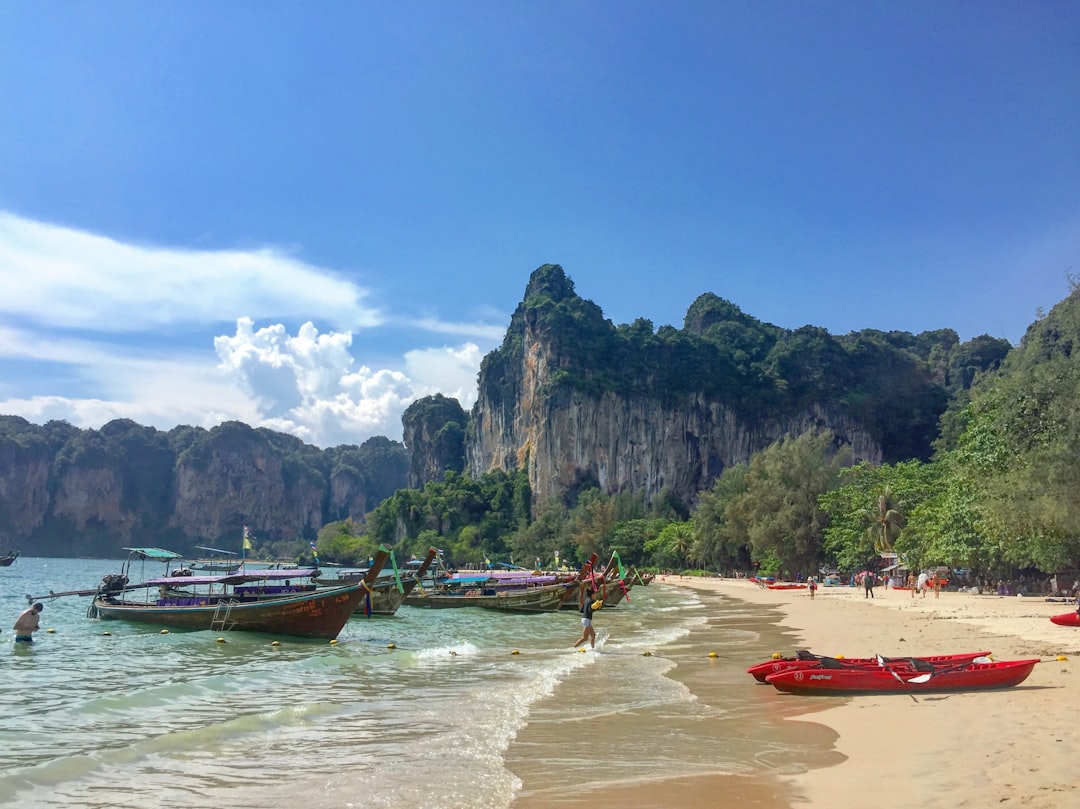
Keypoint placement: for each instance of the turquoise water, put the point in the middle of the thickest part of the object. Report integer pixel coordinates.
(448, 717)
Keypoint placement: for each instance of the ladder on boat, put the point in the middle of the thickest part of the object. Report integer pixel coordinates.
(220, 621)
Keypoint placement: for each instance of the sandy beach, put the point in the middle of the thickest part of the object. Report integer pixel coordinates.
(1015, 747)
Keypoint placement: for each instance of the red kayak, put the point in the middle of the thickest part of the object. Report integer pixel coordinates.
(1068, 619)
(806, 660)
(786, 586)
(966, 677)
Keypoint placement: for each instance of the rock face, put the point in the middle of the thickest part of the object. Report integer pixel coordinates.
(434, 433)
(567, 439)
(66, 491)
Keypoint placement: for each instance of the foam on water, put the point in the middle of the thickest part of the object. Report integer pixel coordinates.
(428, 708)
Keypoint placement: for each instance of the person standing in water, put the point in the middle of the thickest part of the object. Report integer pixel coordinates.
(587, 631)
(27, 624)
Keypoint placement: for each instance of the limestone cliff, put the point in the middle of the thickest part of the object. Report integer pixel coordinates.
(577, 401)
(65, 491)
(434, 433)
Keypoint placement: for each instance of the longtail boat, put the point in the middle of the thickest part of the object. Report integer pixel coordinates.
(253, 601)
(464, 592)
(387, 593)
(806, 660)
(586, 578)
(644, 579)
(9, 560)
(610, 588)
(889, 678)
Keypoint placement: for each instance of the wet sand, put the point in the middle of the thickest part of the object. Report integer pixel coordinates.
(1018, 747)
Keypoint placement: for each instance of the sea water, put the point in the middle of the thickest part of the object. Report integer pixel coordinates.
(459, 708)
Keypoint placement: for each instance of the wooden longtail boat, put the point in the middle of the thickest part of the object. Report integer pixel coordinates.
(243, 602)
(9, 560)
(586, 578)
(388, 596)
(546, 598)
(962, 677)
(806, 660)
(644, 579)
(611, 588)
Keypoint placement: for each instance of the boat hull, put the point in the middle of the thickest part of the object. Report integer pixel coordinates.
(1068, 619)
(762, 670)
(535, 599)
(319, 614)
(970, 677)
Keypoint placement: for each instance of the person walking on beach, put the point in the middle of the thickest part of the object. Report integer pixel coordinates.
(868, 582)
(812, 583)
(587, 631)
(923, 579)
(911, 582)
(27, 624)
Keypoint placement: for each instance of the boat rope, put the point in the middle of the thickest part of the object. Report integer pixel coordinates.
(397, 575)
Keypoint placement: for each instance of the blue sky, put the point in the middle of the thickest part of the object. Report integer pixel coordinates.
(306, 216)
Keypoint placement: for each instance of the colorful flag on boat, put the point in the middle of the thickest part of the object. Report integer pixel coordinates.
(247, 538)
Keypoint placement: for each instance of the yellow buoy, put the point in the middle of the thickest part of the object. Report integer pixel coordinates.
(776, 655)
(106, 633)
(333, 641)
(581, 650)
(515, 652)
(1062, 657)
(275, 643)
(713, 654)
(51, 631)
(164, 632)
(646, 654)
(839, 657)
(391, 646)
(221, 640)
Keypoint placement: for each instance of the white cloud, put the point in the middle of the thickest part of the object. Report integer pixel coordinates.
(57, 276)
(449, 371)
(306, 385)
(116, 328)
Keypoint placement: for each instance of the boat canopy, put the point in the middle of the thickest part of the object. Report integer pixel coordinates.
(154, 553)
(234, 578)
(216, 550)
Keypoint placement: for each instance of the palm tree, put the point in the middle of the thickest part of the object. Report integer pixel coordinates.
(887, 524)
(682, 541)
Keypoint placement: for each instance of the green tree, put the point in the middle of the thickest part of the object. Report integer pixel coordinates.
(718, 542)
(779, 508)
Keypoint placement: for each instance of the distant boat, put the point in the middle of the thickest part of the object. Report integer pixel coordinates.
(253, 601)
(9, 560)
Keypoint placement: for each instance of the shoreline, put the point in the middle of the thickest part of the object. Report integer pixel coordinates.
(1012, 747)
